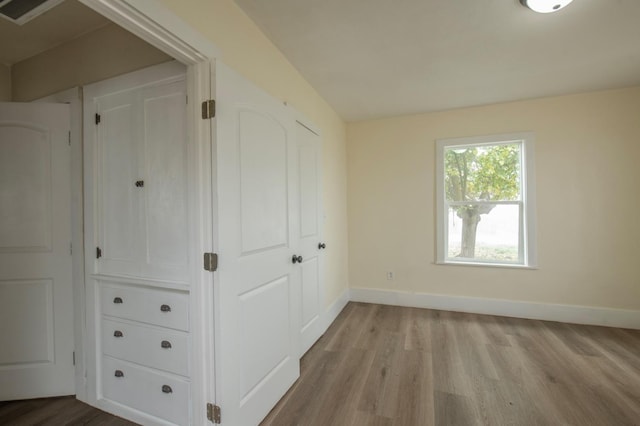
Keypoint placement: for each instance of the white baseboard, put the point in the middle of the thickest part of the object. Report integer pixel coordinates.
(509, 308)
(334, 310)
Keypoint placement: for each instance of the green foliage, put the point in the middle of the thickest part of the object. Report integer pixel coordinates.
(487, 173)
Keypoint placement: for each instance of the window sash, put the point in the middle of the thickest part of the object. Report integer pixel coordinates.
(522, 255)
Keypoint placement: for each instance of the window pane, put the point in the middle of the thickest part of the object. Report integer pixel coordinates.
(496, 237)
(483, 173)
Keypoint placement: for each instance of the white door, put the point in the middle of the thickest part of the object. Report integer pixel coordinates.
(311, 243)
(256, 291)
(36, 292)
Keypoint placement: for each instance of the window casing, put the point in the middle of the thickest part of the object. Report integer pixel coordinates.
(485, 199)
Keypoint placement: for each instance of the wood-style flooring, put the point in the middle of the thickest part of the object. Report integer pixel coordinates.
(384, 365)
(60, 411)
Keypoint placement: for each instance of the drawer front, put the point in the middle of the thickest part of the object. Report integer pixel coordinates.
(163, 349)
(160, 307)
(152, 393)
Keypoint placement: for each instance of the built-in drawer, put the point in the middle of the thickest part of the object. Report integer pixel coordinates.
(151, 392)
(161, 307)
(155, 347)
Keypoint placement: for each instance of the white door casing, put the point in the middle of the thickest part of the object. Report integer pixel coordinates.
(312, 246)
(257, 291)
(36, 289)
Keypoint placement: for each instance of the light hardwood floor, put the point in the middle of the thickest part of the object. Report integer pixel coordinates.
(384, 365)
(65, 410)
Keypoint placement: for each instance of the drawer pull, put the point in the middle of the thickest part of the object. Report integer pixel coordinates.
(119, 373)
(117, 333)
(165, 344)
(117, 300)
(167, 389)
(165, 308)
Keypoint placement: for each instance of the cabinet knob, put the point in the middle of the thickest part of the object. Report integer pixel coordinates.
(296, 259)
(117, 300)
(117, 333)
(165, 308)
(119, 373)
(139, 183)
(165, 344)
(322, 246)
(167, 389)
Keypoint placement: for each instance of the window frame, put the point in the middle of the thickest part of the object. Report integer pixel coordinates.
(527, 230)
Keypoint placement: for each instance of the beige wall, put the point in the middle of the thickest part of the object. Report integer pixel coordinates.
(101, 54)
(5, 83)
(246, 49)
(586, 151)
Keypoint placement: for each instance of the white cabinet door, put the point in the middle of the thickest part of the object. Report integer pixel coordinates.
(142, 227)
(256, 299)
(311, 243)
(36, 292)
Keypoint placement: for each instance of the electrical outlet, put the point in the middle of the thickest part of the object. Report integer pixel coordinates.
(390, 275)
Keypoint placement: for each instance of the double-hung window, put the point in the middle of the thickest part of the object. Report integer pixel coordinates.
(486, 200)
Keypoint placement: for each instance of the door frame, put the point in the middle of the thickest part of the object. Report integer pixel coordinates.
(158, 26)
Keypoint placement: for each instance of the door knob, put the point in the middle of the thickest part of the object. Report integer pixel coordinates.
(322, 246)
(296, 259)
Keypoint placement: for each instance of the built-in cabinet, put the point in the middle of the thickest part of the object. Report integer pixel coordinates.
(138, 257)
(267, 293)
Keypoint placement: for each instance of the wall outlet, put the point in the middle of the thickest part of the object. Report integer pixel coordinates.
(390, 276)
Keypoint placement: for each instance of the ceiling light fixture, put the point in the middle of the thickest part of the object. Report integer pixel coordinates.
(545, 6)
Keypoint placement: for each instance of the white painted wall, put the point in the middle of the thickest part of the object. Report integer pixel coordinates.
(586, 151)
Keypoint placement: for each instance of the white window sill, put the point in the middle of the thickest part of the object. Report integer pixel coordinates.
(487, 265)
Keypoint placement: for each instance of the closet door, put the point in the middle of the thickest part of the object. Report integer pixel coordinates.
(311, 244)
(257, 291)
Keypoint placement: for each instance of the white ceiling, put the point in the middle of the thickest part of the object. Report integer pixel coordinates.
(59, 25)
(378, 58)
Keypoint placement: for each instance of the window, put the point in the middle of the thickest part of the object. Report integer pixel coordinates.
(486, 201)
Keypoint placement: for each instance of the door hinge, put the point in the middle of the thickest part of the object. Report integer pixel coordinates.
(98, 252)
(208, 109)
(74, 357)
(211, 262)
(69, 137)
(213, 413)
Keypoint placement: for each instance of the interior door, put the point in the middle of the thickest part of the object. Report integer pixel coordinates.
(257, 292)
(311, 243)
(36, 292)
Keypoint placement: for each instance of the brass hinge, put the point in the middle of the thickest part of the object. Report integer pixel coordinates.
(208, 109)
(210, 262)
(98, 118)
(213, 413)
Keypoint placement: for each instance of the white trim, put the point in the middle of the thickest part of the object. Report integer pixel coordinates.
(334, 309)
(74, 98)
(575, 314)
